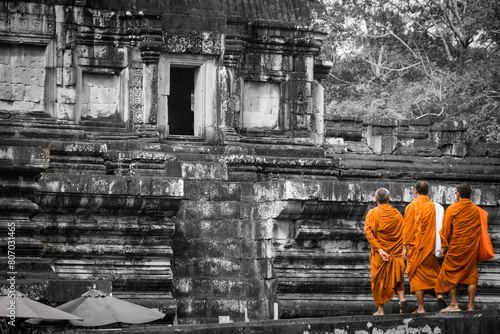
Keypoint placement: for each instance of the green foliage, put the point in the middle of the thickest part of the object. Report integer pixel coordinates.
(476, 97)
(419, 58)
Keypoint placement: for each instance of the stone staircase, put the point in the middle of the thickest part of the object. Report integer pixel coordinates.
(199, 230)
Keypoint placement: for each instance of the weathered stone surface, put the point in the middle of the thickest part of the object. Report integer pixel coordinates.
(61, 291)
(17, 157)
(203, 171)
(237, 216)
(483, 322)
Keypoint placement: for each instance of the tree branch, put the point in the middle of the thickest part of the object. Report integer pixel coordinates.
(452, 8)
(391, 69)
(431, 114)
(346, 82)
(397, 37)
(446, 47)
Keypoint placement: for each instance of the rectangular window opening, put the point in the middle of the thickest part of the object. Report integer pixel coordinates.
(181, 101)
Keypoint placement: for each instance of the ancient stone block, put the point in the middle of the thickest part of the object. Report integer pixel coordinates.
(208, 229)
(196, 190)
(224, 191)
(230, 307)
(322, 190)
(189, 286)
(236, 288)
(212, 210)
(20, 157)
(216, 267)
(217, 249)
(271, 210)
(192, 308)
(33, 93)
(204, 171)
(140, 186)
(261, 106)
(66, 111)
(168, 187)
(259, 229)
(19, 74)
(34, 76)
(220, 287)
(24, 106)
(18, 92)
(5, 91)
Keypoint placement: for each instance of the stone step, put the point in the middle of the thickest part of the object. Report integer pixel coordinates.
(269, 149)
(480, 322)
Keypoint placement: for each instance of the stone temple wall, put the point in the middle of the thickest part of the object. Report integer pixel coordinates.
(236, 217)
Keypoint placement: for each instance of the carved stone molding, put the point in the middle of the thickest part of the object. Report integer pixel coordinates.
(150, 51)
(135, 96)
(234, 47)
(321, 68)
(197, 42)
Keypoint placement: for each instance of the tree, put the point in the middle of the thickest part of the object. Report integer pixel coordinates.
(416, 58)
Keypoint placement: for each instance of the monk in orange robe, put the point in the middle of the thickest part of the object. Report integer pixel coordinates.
(419, 234)
(384, 231)
(460, 237)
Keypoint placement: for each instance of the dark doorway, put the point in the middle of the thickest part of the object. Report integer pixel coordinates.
(181, 101)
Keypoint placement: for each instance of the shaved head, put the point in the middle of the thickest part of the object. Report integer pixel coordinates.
(422, 187)
(465, 190)
(382, 195)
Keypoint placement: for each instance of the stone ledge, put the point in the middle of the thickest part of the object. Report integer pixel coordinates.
(480, 322)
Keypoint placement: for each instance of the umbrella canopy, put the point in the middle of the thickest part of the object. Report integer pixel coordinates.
(28, 308)
(98, 309)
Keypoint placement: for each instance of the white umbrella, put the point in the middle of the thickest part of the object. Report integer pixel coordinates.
(97, 308)
(16, 304)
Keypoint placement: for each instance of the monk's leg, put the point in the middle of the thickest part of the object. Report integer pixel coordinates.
(401, 295)
(440, 300)
(453, 299)
(380, 310)
(472, 295)
(402, 301)
(420, 301)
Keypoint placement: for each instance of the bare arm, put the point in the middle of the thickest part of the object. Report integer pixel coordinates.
(369, 230)
(370, 236)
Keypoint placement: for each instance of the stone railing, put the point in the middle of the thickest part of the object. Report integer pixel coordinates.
(402, 137)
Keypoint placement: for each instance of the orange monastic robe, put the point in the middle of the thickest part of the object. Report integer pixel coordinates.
(460, 234)
(419, 233)
(384, 229)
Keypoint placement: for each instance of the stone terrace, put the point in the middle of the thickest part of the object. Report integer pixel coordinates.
(483, 322)
(202, 231)
(178, 155)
